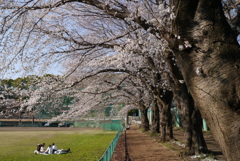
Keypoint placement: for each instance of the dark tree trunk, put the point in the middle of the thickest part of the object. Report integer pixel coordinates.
(166, 123)
(144, 119)
(163, 123)
(199, 143)
(169, 123)
(155, 118)
(185, 106)
(191, 122)
(164, 103)
(210, 68)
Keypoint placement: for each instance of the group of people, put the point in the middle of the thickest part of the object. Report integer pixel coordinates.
(51, 149)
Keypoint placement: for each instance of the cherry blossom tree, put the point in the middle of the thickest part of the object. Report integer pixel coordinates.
(202, 35)
(132, 47)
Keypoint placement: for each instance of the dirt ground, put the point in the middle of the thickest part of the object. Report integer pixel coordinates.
(143, 147)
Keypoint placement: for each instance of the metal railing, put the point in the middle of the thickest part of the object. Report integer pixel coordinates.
(109, 152)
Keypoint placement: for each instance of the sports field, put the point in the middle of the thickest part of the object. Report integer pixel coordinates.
(86, 144)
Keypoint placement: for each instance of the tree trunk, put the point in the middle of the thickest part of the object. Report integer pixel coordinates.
(155, 118)
(184, 103)
(194, 144)
(169, 123)
(199, 143)
(144, 119)
(210, 68)
(163, 123)
(164, 103)
(166, 123)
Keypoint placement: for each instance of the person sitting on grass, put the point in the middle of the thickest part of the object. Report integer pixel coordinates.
(49, 150)
(54, 147)
(40, 148)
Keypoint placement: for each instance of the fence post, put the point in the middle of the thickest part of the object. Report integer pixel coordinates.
(205, 127)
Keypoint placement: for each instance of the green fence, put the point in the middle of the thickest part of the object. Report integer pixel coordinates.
(88, 123)
(113, 125)
(107, 125)
(108, 153)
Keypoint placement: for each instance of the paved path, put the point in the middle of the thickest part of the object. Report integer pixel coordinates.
(143, 148)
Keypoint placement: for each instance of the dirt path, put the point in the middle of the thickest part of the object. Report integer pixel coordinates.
(143, 148)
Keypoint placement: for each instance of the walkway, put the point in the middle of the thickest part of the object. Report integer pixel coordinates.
(143, 148)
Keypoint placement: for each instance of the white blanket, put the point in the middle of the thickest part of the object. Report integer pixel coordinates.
(55, 152)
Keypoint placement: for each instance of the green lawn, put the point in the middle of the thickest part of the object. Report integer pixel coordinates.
(87, 145)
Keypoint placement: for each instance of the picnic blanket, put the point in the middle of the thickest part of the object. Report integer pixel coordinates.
(55, 152)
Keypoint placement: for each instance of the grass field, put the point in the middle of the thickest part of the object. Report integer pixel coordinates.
(18, 144)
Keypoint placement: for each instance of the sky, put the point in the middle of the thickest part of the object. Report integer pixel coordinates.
(55, 70)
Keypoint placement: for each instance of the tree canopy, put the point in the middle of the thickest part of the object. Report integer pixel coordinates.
(139, 52)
